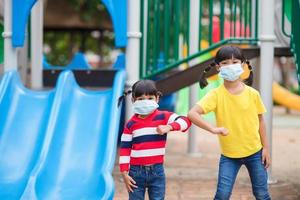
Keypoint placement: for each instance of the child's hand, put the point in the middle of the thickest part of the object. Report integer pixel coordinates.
(129, 182)
(220, 130)
(266, 159)
(163, 129)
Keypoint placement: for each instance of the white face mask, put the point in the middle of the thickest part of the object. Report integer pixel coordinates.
(231, 72)
(144, 107)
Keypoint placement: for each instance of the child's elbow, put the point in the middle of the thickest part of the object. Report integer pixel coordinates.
(191, 115)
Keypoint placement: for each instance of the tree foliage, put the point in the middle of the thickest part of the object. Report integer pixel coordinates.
(60, 46)
(87, 8)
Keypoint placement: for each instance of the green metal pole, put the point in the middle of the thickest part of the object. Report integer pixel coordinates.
(200, 23)
(149, 51)
(283, 21)
(241, 16)
(166, 31)
(156, 33)
(250, 17)
(222, 17)
(234, 18)
(188, 24)
(246, 17)
(231, 17)
(142, 67)
(210, 32)
(177, 23)
(256, 19)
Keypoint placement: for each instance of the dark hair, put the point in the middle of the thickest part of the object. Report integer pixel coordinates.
(229, 52)
(139, 88)
(224, 53)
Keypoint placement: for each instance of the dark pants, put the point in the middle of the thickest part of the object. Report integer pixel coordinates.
(150, 177)
(229, 168)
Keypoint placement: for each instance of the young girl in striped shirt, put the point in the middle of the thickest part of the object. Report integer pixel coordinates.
(143, 142)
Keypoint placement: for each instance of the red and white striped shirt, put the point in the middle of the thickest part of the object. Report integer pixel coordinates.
(141, 144)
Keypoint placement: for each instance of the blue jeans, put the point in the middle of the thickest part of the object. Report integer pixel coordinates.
(150, 177)
(229, 168)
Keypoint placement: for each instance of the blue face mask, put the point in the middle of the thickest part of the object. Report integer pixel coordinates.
(144, 107)
(231, 72)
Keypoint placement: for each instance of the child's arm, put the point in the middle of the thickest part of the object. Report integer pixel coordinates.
(174, 123)
(264, 141)
(124, 160)
(195, 116)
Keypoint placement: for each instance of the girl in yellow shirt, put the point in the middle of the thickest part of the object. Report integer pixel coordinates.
(240, 124)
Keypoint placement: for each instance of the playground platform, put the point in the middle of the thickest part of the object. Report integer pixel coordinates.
(195, 178)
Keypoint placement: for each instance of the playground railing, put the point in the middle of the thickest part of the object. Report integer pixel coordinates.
(295, 36)
(292, 7)
(165, 30)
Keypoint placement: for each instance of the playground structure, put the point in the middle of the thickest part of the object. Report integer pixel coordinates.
(68, 150)
(1, 45)
(58, 130)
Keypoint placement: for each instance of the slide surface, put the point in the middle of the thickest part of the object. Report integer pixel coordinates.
(285, 98)
(20, 138)
(59, 144)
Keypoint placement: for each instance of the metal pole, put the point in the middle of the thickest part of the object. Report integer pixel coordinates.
(144, 41)
(23, 60)
(37, 45)
(193, 90)
(10, 53)
(133, 48)
(267, 39)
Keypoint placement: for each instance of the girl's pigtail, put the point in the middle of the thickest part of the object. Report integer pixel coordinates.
(121, 98)
(159, 93)
(249, 80)
(202, 80)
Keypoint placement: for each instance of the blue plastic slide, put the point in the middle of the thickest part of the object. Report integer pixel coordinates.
(23, 121)
(58, 144)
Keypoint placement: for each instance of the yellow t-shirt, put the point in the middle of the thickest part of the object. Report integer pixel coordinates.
(239, 114)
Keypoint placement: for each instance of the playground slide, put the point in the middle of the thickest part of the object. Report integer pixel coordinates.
(72, 134)
(284, 97)
(20, 138)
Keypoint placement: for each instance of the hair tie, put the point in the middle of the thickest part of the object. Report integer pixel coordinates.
(249, 65)
(159, 93)
(121, 98)
(206, 70)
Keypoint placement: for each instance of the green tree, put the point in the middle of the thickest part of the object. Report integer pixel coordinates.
(87, 8)
(61, 45)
